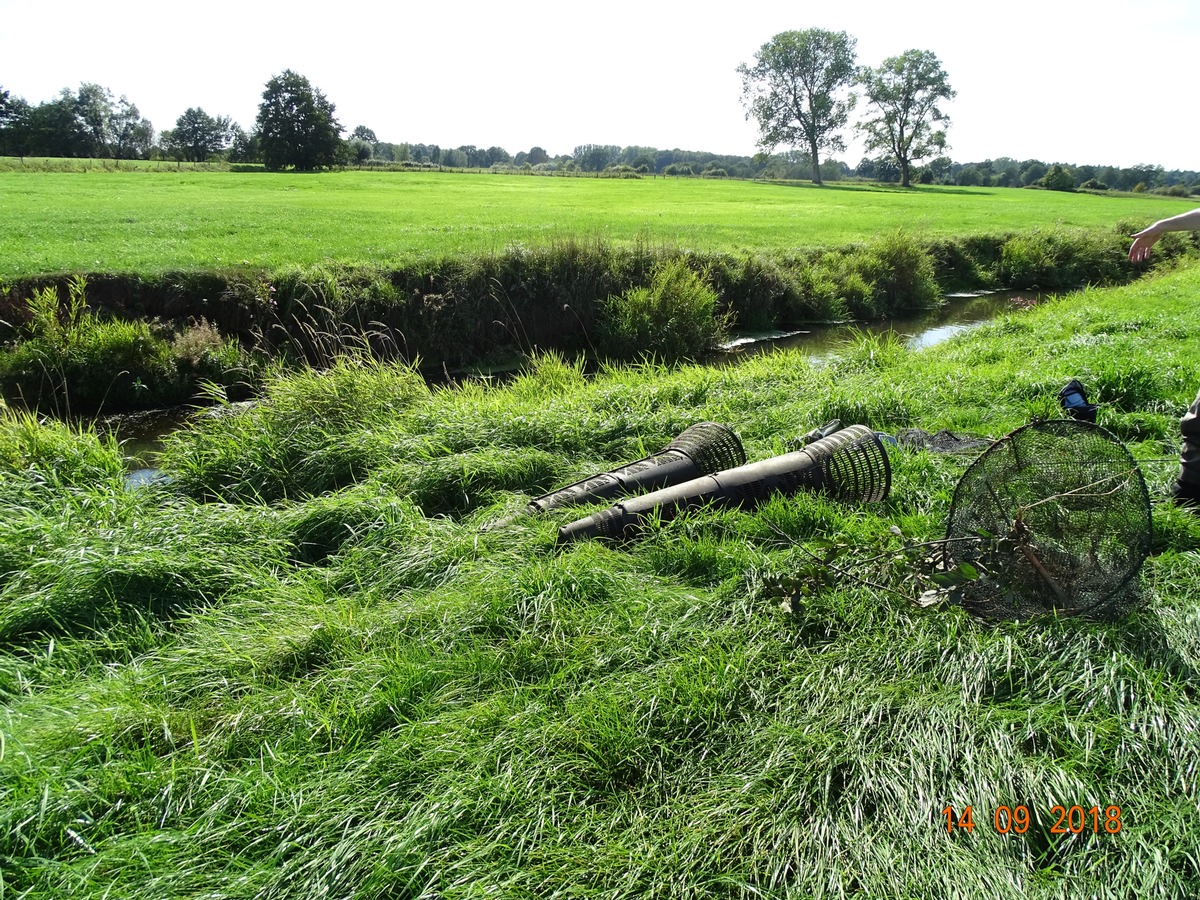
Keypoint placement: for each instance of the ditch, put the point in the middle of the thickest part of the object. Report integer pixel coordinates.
(142, 434)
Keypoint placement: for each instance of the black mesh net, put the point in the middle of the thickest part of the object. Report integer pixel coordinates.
(941, 441)
(710, 446)
(1053, 517)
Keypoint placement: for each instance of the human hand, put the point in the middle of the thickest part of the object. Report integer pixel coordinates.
(1142, 242)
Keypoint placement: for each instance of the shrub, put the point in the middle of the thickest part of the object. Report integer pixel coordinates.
(1174, 190)
(751, 287)
(816, 296)
(676, 317)
(1050, 260)
(967, 263)
(907, 279)
(196, 341)
(102, 365)
(853, 273)
(75, 362)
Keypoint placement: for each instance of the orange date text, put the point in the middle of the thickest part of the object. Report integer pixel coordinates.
(1017, 819)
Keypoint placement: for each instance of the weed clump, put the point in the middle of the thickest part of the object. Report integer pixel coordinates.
(676, 317)
(71, 360)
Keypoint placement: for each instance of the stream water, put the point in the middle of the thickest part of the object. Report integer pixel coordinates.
(917, 330)
(142, 433)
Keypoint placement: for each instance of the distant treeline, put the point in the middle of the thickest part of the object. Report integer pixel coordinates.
(90, 123)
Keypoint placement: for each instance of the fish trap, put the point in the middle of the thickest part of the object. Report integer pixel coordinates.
(1052, 518)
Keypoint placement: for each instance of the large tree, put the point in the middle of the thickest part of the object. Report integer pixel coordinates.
(13, 113)
(94, 110)
(296, 127)
(197, 135)
(52, 129)
(797, 91)
(907, 124)
(132, 135)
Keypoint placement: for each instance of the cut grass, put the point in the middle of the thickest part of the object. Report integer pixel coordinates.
(359, 694)
(158, 222)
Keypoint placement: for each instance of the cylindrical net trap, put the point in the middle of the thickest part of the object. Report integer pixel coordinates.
(698, 450)
(1052, 518)
(850, 465)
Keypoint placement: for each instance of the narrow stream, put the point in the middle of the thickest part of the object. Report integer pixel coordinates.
(961, 313)
(142, 433)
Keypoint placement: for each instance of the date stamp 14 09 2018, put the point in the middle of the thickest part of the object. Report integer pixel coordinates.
(1017, 819)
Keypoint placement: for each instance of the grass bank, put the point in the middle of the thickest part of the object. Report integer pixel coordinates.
(300, 668)
(576, 297)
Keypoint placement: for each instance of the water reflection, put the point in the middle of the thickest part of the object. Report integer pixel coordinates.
(141, 434)
(961, 312)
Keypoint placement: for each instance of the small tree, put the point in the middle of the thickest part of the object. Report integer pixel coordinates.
(904, 92)
(14, 113)
(296, 127)
(243, 146)
(795, 91)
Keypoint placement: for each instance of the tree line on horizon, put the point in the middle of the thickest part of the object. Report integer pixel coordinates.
(296, 129)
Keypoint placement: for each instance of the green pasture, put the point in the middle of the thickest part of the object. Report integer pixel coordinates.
(155, 221)
(300, 669)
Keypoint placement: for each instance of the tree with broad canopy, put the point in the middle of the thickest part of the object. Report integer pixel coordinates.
(197, 135)
(797, 91)
(296, 127)
(904, 92)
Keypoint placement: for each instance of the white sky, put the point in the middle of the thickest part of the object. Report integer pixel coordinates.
(1102, 82)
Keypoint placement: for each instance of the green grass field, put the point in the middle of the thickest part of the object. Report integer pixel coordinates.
(151, 222)
(300, 670)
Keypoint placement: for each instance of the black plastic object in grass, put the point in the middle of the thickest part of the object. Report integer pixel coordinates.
(1052, 518)
(850, 465)
(1074, 401)
(700, 449)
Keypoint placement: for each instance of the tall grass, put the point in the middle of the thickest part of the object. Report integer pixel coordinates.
(496, 308)
(300, 669)
(677, 316)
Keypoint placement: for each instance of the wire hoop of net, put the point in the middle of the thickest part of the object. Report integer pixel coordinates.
(1053, 518)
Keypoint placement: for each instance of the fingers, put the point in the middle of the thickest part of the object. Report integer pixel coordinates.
(1140, 250)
